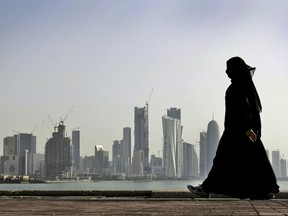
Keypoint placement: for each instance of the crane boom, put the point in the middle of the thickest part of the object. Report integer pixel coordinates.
(47, 126)
(62, 120)
(147, 102)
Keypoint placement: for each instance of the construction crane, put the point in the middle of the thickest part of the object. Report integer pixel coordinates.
(53, 124)
(34, 129)
(47, 126)
(62, 120)
(147, 102)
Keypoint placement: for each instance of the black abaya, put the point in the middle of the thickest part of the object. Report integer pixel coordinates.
(241, 167)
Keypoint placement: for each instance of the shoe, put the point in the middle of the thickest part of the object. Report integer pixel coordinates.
(263, 197)
(198, 190)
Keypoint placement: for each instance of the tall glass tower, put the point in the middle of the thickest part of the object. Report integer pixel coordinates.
(172, 147)
(141, 133)
(126, 145)
(26, 143)
(276, 162)
(203, 154)
(76, 148)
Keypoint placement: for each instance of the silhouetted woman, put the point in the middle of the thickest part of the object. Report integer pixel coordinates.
(241, 167)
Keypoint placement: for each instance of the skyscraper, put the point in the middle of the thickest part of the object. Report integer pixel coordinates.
(89, 164)
(156, 165)
(58, 154)
(174, 113)
(26, 146)
(276, 162)
(172, 147)
(76, 148)
(101, 161)
(9, 146)
(37, 160)
(117, 154)
(141, 134)
(126, 145)
(138, 163)
(190, 160)
(9, 165)
(213, 137)
(283, 168)
(203, 154)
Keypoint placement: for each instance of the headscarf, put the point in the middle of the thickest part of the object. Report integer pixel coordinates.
(241, 74)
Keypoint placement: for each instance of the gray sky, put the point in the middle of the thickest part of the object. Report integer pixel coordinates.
(105, 56)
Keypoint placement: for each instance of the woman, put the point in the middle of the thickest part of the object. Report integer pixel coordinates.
(241, 167)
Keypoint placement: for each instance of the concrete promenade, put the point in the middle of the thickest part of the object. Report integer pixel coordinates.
(134, 203)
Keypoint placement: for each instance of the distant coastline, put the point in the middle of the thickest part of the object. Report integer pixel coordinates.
(22, 182)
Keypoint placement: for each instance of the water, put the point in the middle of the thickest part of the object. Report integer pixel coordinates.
(114, 185)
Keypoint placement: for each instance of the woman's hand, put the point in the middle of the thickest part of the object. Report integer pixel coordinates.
(251, 135)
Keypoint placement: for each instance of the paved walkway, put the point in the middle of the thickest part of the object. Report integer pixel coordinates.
(120, 206)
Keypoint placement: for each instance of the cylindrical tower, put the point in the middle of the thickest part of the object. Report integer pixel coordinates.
(213, 137)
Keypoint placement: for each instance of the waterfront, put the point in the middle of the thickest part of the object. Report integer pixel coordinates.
(180, 185)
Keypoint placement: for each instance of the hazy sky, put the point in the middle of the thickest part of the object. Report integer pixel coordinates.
(105, 56)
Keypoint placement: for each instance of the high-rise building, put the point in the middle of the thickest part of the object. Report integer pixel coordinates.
(126, 145)
(101, 160)
(9, 146)
(155, 161)
(76, 148)
(25, 145)
(283, 168)
(141, 133)
(190, 160)
(172, 147)
(9, 165)
(58, 154)
(37, 160)
(156, 165)
(213, 137)
(138, 163)
(117, 155)
(276, 162)
(174, 113)
(89, 163)
(203, 154)
(82, 167)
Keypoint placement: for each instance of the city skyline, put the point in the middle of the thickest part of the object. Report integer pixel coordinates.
(108, 147)
(104, 57)
(58, 153)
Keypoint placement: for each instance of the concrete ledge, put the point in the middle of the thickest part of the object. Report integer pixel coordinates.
(66, 193)
(127, 194)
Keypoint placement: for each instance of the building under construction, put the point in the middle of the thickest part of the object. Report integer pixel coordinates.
(58, 154)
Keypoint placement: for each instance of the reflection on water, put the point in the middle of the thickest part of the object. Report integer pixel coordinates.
(115, 185)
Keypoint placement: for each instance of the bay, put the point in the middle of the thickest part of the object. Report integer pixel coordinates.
(180, 185)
